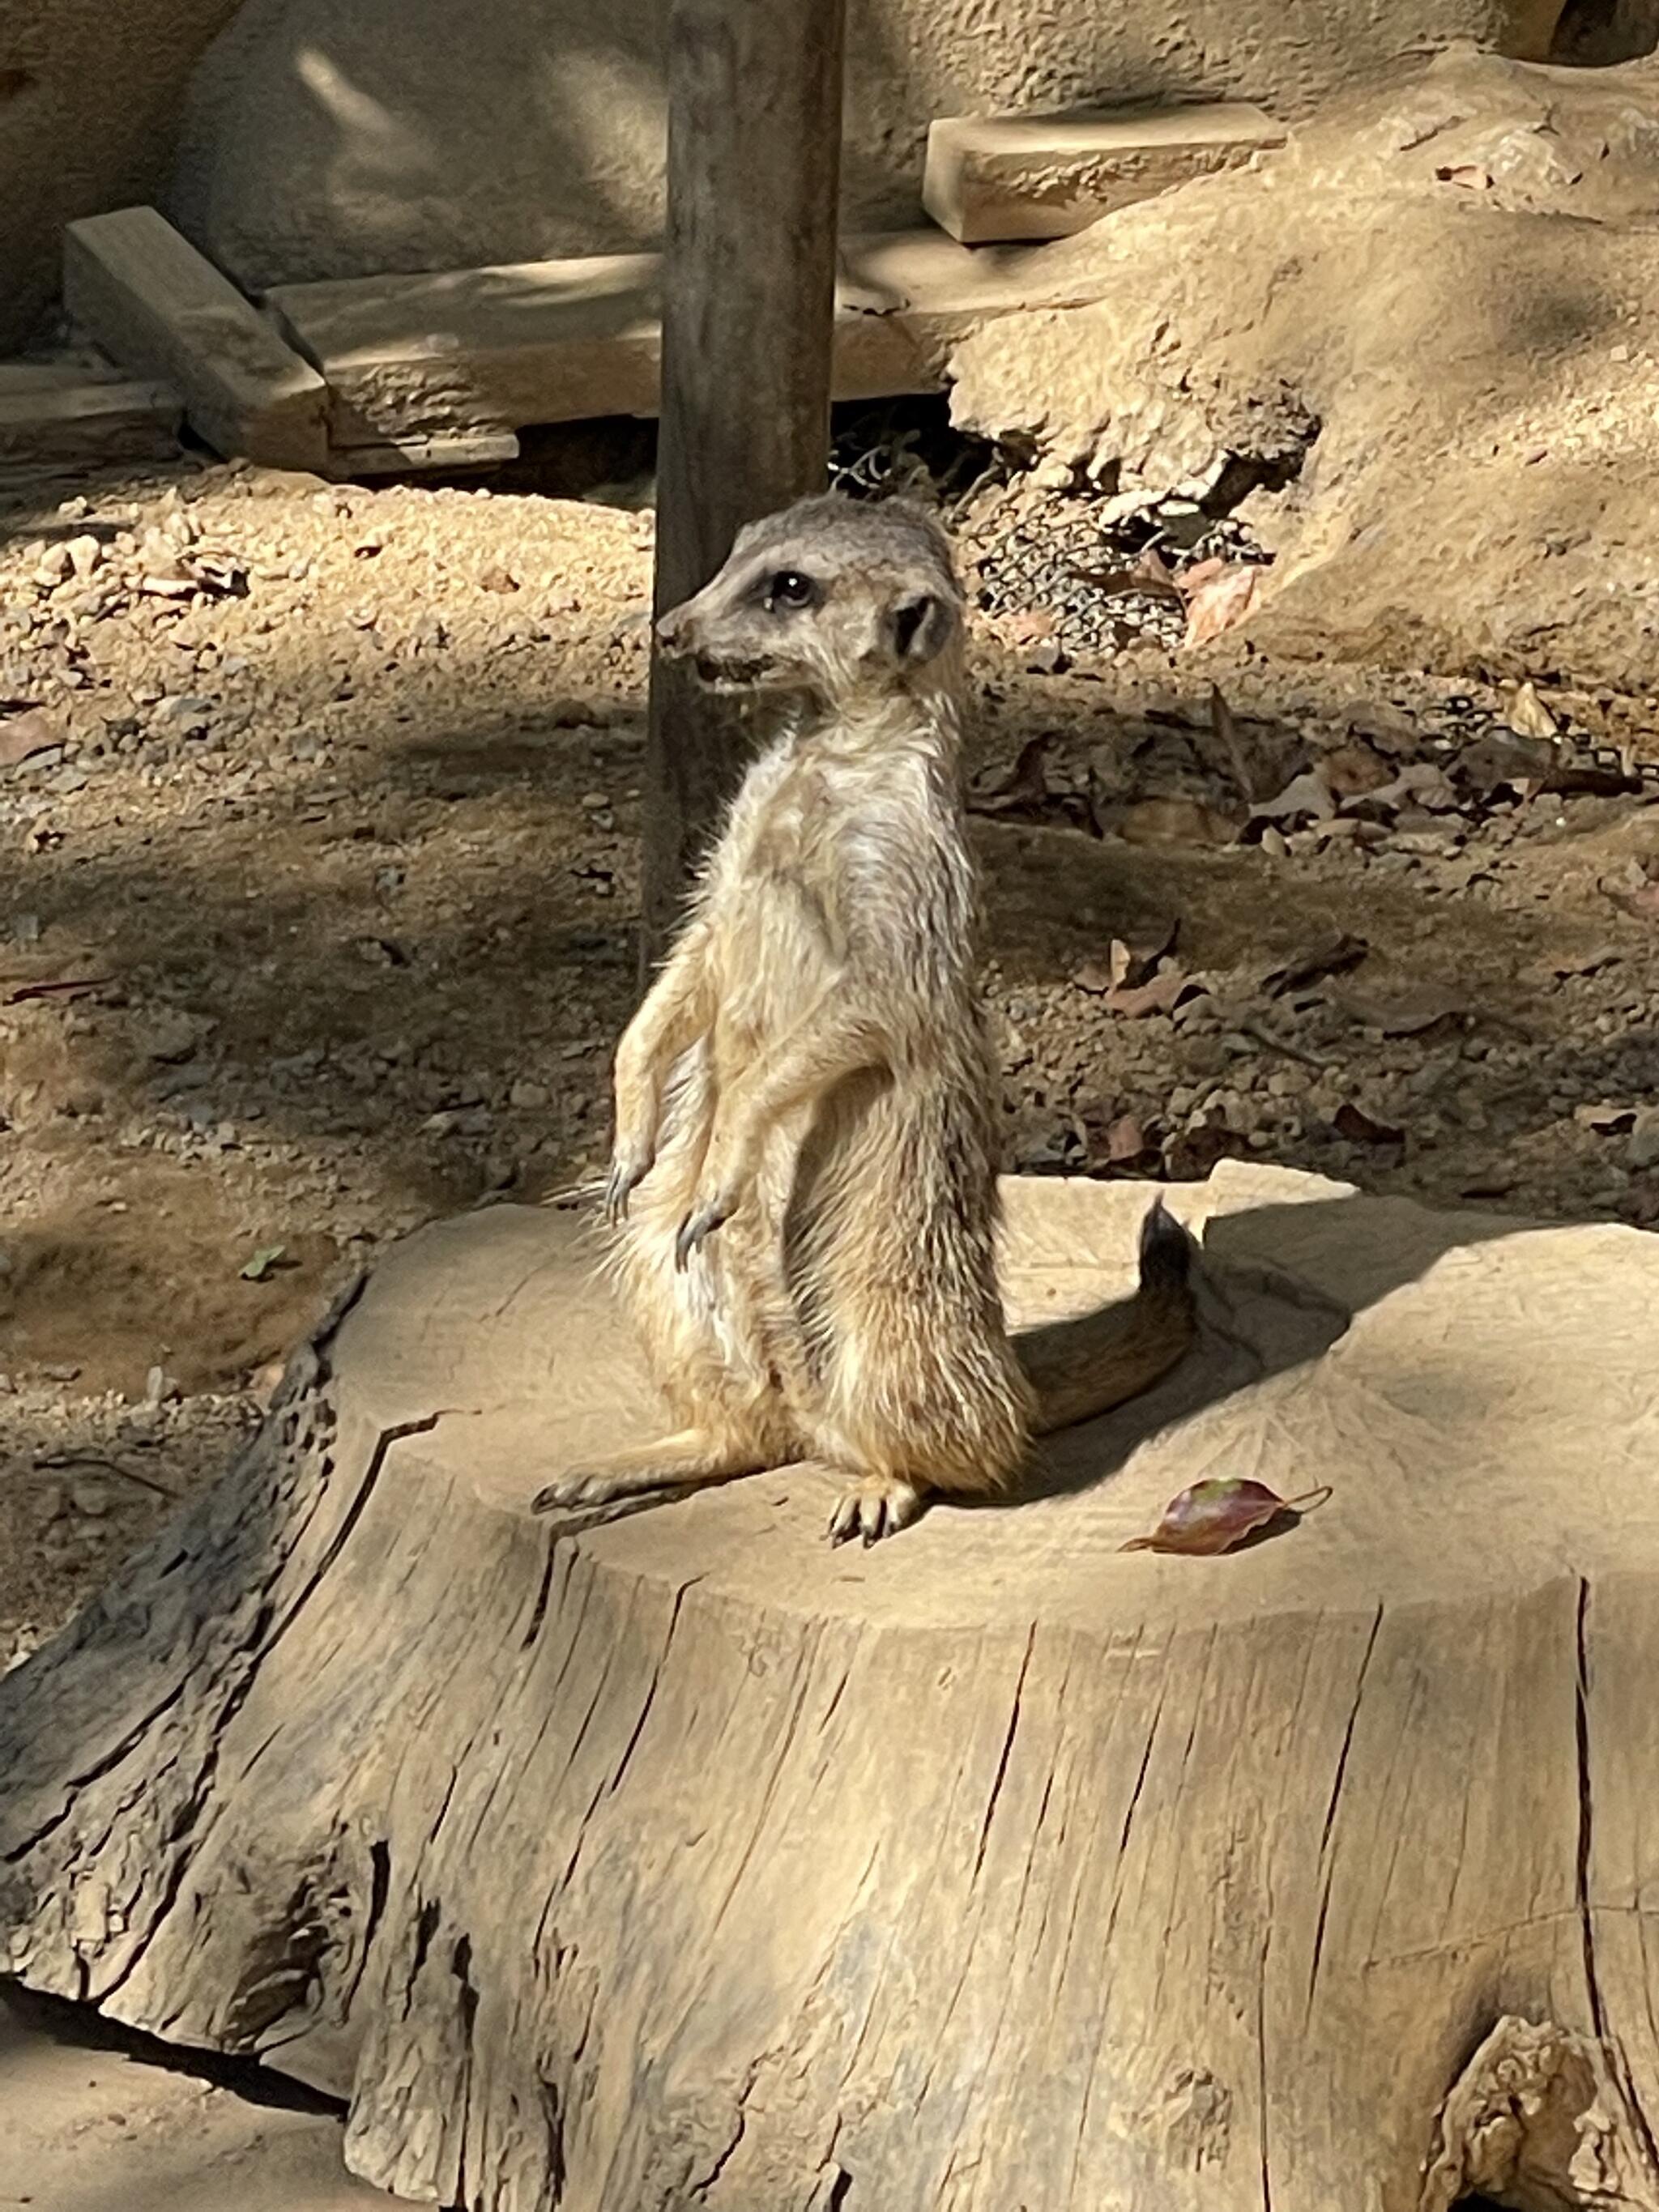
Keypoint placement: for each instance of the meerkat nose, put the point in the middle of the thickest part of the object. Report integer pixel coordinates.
(670, 629)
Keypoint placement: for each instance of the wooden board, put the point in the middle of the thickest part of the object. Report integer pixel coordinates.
(683, 1862)
(162, 310)
(1046, 176)
(76, 409)
(479, 350)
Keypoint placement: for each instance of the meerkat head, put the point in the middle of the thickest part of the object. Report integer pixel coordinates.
(829, 596)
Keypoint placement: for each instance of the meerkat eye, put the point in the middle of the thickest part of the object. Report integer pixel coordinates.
(789, 588)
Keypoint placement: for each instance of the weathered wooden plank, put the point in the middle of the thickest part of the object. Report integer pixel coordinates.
(474, 351)
(162, 310)
(1045, 176)
(73, 410)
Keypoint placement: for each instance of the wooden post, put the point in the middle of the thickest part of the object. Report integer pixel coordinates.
(754, 164)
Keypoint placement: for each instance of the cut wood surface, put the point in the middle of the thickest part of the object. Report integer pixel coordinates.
(681, 1861)
(162, 310)
(1045, 176)
(409, 358)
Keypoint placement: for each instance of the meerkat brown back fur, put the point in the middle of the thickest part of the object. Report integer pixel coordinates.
(803, 1189)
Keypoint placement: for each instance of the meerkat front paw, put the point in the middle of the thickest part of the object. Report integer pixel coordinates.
(701, 1222)
(879, 1505)
(628, 1170)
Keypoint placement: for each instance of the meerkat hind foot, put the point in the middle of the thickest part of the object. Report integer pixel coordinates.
(676, 1462)
(875, 1506)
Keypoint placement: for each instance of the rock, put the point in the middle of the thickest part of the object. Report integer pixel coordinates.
(186, 713)
(526, 1094)
(1642, 1149)
(170, 1034)
(91, 1497)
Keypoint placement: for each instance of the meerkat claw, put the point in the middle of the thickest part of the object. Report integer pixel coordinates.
(623, 1180)
(878, 1506)
(569, 1490)
(694, 1229)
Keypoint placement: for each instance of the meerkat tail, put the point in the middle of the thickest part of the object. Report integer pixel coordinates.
(1077, 1369)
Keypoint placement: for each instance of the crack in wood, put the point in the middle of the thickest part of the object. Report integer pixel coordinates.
(1007, 1748)
(1326, 1857)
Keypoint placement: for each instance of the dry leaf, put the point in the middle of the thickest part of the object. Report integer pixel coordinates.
(1029, 627)
(1468, 174)
(1332, 957)
(1025, 785)
(1175, 821)
(1404, 1013)
(1388, 727)
(1306, 793)
(1605, 1119)
(1225, 730)
(1488, 1182)
(1527, 714)
(1353, 769)
(1360, 1129)
(26, 731)
(1565, 965)
(221, 575)
(1126, 1141)
(1217, 601)
(1161, 996)
(1130, 961)
(1152, 570)
(1190, 1154)
(1215, 1516)
(1420, 783)
(172, 581)
(56, 990)
(1498, 762)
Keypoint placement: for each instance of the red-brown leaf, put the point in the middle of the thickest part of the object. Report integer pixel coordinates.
(1161, 996)
(28, 991)
(1214, 1516)
(1218, 601)
(1126, 1141)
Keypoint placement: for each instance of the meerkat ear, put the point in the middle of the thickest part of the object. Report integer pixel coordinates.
(921, 627)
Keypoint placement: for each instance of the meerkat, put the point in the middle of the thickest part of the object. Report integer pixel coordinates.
(803, 1194)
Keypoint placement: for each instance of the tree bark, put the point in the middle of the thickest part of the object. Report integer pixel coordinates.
(679, 1862)
(748, 280)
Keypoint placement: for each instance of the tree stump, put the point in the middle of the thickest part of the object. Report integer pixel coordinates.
(679, 1861)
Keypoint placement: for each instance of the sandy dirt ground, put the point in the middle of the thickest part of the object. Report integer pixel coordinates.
(122, 2127)
(319, 807)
